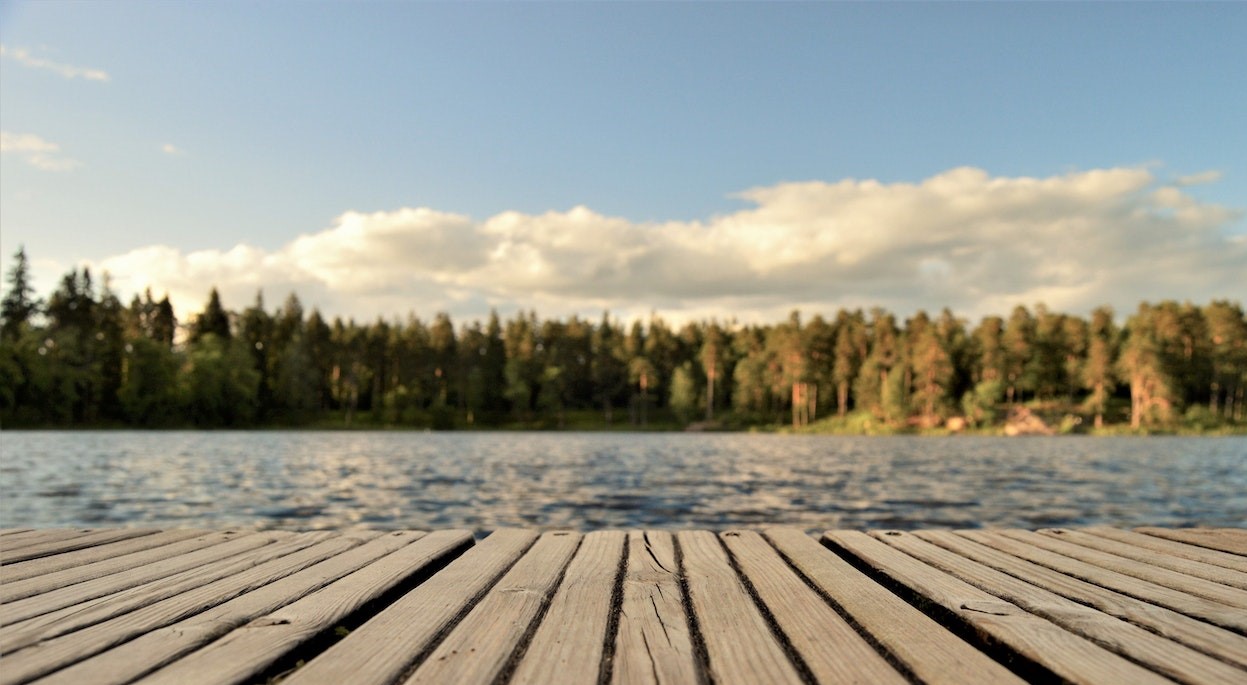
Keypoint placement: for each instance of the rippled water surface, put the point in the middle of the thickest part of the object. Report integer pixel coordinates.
(597, 480)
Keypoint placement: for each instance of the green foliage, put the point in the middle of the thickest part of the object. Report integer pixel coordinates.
(19, 304)
(220, 383)
(980, 405)
(149, 393)
(684, 396)
(85, 360)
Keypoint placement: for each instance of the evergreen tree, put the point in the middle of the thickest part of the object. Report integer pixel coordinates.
(1018, 342)
(1227, 333)
(1142, 365)
(19, 304)
(214, 320)
(1097, 372)
(851, 350)
(608, 367)
(711, 358)
(932, 373)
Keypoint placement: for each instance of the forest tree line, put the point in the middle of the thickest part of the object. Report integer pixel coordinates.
(84, 358)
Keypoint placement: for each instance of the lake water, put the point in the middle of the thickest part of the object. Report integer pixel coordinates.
(483, 481)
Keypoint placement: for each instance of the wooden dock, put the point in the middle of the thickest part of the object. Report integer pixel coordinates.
(1090, 605)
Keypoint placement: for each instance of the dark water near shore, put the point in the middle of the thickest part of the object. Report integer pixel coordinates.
(484, 481)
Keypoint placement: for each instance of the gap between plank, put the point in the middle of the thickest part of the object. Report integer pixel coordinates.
(1000, 652)
(893, 660)
(467, 607)
(701, 654)
(607, 665)
(521, 647)
(331, 635)
(798, 662)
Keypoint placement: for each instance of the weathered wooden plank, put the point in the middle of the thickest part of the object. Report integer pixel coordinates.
(11, 531)
(11, 573)
(172, 546)
(568, 645)
(1198, 607)
(739, 644)
(653, 644)
(1172, 547)
(1150, 557)
(1032, 638)
(243, 654)
(1161, 576)
(384, 648)
(924, 647)
(78, 593)
(58, 653)
(71, 618)
(479, 648)
(1228, 540)
(828, 645)
(72, 543)
(37, 536)
(1137, 644)
(1194, 633)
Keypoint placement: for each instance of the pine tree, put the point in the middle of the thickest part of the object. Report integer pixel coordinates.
(1097, 372)
(214, 320)
(19, 305)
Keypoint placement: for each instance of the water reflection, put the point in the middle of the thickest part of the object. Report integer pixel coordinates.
(485, 481)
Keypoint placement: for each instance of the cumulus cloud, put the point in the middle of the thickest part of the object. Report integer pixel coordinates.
(23, 57)
(965, 239)
(37, 152)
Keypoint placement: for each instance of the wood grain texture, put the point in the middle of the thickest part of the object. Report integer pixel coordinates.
(59, 652)
(75, 541)
(33, 537)
(739, 644)
(382, 649)
(1205, 637)
(245, 653)
(924, 647)
(1228, 596)
(569, 644)
(78, 593)
(10, 573)
(1176, 600)
(829, 646)
(1160, 654)
(171, 546)
(71, 618)
(1151, 557)
(478, 649)
(1035, 639)
(1172, 547)
(653, 644)
(1229, 540)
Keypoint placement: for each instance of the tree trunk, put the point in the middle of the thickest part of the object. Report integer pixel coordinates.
(842, 398)
(710, 396)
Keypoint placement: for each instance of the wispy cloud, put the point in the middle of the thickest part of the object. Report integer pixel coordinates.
(37, 152)
(22, 56)
(1202, 178)
(171, 149)
(963, 238)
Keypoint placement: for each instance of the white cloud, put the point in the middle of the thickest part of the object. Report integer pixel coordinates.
(171, 149)
(22, 56)
(1202, 178)
(37, 152)
(963, 239)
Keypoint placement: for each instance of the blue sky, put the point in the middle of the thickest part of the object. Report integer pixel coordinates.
(694, 159)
